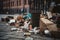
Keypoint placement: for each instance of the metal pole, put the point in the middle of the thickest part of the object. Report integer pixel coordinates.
(44, 6)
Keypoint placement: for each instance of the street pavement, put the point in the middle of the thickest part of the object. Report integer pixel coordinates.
(7, 34)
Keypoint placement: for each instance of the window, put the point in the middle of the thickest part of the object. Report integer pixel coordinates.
(19, 2)
(12, 3)
(24, 2)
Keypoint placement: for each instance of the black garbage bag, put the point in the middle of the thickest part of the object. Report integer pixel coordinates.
(58, 22)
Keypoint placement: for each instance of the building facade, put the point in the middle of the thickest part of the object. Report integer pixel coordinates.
(15, 6)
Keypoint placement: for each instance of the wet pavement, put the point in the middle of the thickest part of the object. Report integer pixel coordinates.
(7, 34)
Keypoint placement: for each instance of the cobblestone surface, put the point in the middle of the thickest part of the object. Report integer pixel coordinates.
(6, 34)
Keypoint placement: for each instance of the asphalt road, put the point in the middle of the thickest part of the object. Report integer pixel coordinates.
(6, 34)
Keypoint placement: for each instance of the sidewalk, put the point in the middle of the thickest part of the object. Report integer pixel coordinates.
(5, 34)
